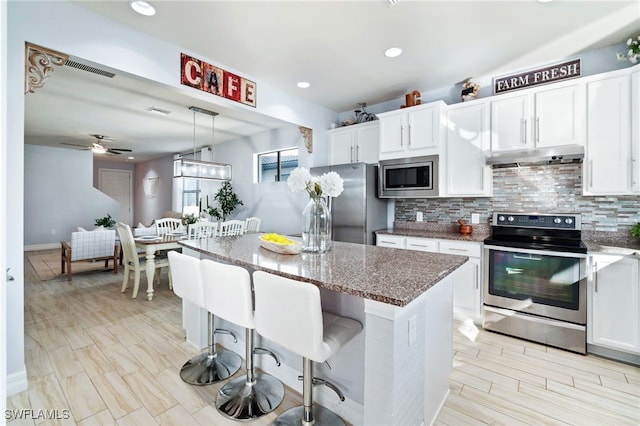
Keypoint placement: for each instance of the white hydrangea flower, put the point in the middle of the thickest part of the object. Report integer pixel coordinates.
(298, 179)
(332, 184)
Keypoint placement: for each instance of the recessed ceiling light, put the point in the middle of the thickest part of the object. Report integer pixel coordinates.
(158, 110)
(545, 1)
(392, 52)
(304, 84)
(142, 7)
(131, 158)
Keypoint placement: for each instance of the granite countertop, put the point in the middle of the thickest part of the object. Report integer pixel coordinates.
(387, 275)
(476, 237)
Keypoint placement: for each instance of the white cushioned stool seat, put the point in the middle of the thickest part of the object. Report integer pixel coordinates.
(290, 313)
(228, 294)
(211, 366)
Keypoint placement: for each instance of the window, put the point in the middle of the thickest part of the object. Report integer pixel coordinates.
(275, 166)
(191, 196)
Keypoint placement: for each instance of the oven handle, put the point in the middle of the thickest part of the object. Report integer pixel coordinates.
(526, 257)
(537, 252)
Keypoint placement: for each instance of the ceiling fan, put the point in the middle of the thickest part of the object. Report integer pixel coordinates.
(98, 147)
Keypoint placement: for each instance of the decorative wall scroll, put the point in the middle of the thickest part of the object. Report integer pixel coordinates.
(209, 78)
(38, 64)
(307, 134)
(150, 186)
(548, 74)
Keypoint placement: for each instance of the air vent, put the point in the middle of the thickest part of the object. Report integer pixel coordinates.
(158, 110)
(88, 68)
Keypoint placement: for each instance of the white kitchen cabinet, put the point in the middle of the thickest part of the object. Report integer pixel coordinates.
(422, 244)
(635, 130)
(608, 162)
(542, 117)
(467, 143)
(392, 241)
(614, 312)
(356, 143)
(467, 280)
(411, 132)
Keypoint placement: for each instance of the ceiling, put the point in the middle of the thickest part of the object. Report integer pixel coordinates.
(337, 46)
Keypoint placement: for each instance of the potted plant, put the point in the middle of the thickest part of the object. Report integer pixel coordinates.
(635, 230)
(227, 202)
(106, 221)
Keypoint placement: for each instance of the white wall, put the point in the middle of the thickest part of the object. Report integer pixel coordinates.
(145, 209)
(73, 30)
(273, 202)
(59, 195)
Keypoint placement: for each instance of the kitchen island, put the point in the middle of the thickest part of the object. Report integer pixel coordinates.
(396, 371)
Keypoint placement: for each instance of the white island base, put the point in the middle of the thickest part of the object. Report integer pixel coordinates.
(394, 373)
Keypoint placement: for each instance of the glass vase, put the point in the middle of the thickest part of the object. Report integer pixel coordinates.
(316, 226)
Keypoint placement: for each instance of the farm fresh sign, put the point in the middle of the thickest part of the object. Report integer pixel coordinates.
(545, 75)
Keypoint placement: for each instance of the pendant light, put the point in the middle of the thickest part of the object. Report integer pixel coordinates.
(198, 169)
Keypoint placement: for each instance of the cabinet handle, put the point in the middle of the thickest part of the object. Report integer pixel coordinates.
(477, 276)
(410, 136)
(419, 245)
(401, 135)
(537, 129)
(591, 174)
(523, 131)
(357, 153)
(595, 276)
(458, 249)
(351, 155)
(388, 242)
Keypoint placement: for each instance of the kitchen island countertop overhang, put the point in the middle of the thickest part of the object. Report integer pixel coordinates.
(391, 276)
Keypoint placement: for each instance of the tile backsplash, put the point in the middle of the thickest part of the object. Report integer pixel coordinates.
(543, 189)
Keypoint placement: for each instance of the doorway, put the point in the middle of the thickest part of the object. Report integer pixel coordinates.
(118, 184)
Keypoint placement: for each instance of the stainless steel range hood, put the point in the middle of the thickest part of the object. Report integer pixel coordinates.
(537, 157)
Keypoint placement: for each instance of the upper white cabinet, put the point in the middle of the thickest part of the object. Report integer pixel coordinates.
(467, 143)
(614, 313)
(412, 131)
(540, 117)
(356, 143)
(608, 163)
(635, 130)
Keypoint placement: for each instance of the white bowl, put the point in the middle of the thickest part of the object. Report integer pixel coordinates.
(281, 248)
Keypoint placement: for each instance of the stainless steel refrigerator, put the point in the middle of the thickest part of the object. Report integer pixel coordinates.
(357, 212)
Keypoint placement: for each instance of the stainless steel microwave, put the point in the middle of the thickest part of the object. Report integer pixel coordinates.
(413, 177)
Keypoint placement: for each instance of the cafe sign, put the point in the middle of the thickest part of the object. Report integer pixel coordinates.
(209, 78)
(548, 74)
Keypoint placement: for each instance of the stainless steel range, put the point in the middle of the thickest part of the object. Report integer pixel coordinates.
(536, 279)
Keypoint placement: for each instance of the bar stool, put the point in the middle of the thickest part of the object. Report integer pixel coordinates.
(227, 293)
(212, 366)
(290, 313)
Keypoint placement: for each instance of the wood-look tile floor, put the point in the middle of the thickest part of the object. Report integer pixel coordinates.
(109, 359)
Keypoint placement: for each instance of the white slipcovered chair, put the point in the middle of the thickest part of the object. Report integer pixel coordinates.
(252, 224)
(132, 261)
(231, 227)
(167, 225)
(89, 245)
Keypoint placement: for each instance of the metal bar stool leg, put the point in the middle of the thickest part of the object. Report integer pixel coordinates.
(252, 396)
(212, 366)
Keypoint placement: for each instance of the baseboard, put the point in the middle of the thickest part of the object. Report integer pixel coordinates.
(35, 247)
(17, 382)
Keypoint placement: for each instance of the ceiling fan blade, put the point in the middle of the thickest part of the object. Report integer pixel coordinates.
(73, 144)
(111, 151)
(121, 149)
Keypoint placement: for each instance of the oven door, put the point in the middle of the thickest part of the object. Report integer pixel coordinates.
(543, 283)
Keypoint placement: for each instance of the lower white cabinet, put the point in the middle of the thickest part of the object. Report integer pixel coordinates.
(614, 312)
(393, 241)
(467, 280)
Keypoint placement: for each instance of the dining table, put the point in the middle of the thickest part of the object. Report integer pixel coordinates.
(152, 244)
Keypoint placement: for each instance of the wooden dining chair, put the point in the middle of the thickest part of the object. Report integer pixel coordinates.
(132, 261)
(167, 225)
(252, 224)
(202, 230)
(231, 227)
